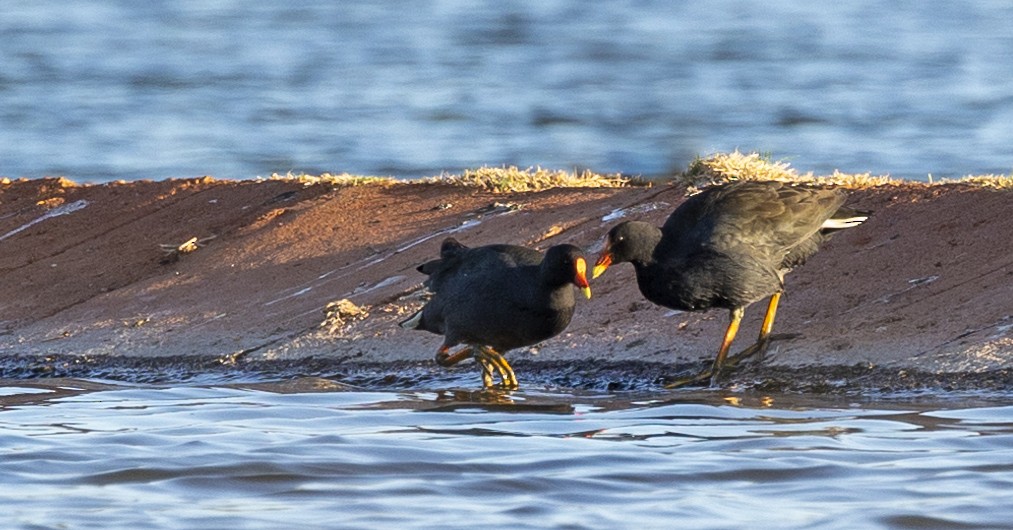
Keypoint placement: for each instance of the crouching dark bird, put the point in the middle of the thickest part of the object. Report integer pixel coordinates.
(496, 298)
(727, 247)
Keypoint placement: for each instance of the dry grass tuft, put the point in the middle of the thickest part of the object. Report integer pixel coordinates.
(511, 179)
(713, 169)
(856, 180)
(340, 180)
(999, 182)
(725, 167)
(504, 179)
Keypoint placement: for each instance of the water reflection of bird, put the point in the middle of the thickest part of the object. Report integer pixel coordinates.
(727, 247)
(496, 298)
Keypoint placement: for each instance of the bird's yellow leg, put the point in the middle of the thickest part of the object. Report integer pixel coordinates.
(446, 360)
(720, 361)
(487, 367)
(768, 324)
(768, 319)
(733, 328)
(497, 360)
(726, 343)
(506, 372)
(759, 348)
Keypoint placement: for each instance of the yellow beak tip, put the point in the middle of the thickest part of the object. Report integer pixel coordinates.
(586, 291)
(598, 270)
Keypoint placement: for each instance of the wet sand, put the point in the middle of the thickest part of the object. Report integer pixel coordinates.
(920, 295)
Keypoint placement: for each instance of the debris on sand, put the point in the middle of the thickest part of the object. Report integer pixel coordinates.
(340, 313)
(173, 252)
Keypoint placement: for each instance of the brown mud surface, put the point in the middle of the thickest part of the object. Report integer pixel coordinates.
(919, 296)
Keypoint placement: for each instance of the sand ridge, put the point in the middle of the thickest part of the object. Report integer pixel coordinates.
(926, 283)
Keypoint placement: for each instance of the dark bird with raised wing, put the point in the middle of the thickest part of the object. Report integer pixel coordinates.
(727, 247)
(496, 298)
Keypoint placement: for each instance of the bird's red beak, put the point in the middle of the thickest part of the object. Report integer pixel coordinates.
(604, 260)
(580, 277)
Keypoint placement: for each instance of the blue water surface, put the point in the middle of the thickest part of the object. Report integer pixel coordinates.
(313, 453)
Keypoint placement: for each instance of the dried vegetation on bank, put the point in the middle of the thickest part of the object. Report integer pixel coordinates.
(703, 171)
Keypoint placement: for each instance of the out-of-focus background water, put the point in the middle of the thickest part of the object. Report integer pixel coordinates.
(112, 89)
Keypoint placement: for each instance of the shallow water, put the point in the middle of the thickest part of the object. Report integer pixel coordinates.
(107, 89)
(314, 453)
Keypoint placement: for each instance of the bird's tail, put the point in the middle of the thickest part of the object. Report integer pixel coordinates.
(413, 321)
(845, 218)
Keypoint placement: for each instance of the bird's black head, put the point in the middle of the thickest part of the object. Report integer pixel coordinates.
(564, 264)
(629, 241)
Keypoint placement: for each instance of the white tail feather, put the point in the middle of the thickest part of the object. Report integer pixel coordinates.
(847, 222)
(413, 322)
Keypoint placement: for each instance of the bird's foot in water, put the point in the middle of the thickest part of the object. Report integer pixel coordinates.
(708, 377)
(492, 362)
(713, 375)
(692, 380)
(759, 348)
(490, 396)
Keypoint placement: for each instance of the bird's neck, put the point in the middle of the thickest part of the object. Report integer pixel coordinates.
(557, 294)
(671, 283)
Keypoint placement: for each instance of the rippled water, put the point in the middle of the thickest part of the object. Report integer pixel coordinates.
(313, 453)
(107, 89)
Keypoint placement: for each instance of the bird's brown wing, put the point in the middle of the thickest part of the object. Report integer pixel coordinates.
(438, 270)
(762, 219)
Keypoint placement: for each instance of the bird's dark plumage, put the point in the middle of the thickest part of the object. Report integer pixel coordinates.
(729, 246)
(499, 297)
